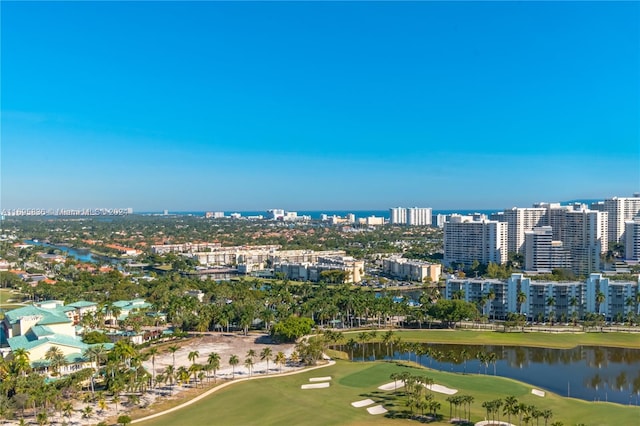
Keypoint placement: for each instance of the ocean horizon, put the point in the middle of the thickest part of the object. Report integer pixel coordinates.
(316, 214)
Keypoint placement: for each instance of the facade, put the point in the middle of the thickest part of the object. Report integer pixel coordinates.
(632, 240)
(308, 271)
(466, 240)
(398, 216)
(548, 300)
(585, 237)
(542, 253)
(521, 220)
(414, 216)
(620, 210)
(411, 270)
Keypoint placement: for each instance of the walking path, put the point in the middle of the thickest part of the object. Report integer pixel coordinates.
(224, 385)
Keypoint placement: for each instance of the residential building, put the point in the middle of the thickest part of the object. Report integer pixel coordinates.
(542, 254)
(411, 270)
(466, 240)
(632, 240)
(585, 237)
(414, 216)
(398, 216)
(620, 210)
(521, 220)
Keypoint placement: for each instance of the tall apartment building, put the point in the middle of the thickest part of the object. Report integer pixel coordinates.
(632, 239)
(585, 237)
(519, 221)
(542, 253)
(466, 240)
(620, 210)
(415, 216)
(398, 216)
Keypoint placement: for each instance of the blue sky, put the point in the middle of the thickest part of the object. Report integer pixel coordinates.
(316, 105)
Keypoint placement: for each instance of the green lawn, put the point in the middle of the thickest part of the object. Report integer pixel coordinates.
(547, 340)
(280, 401)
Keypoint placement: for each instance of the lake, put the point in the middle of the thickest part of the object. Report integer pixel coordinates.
(585, 372)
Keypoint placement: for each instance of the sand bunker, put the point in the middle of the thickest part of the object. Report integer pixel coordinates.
(392, 386)
(441, 389)
(316, 386)
(362, 403)
(537, 392)
(378, 409)
(493, 423)
(320, 379)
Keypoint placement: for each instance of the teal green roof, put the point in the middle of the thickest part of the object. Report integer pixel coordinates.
(41, 331)
(82, 304)
(29, 342)
(49, 316)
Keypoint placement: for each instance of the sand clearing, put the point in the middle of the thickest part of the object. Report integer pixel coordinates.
(316, 386)
(537, 392)
(392, 386)
(378, 409)
(320, 379)
(441, 389)
(362, 403)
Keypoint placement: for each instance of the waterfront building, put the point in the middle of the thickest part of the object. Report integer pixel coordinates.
(413, 216)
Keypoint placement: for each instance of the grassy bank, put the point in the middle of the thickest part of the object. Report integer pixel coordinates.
(547, 340)
(272, 401)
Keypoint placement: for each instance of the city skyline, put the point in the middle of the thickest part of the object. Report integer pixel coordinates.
(308, 106)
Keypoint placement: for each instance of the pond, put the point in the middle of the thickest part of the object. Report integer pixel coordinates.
(82, 255)
(585, 372)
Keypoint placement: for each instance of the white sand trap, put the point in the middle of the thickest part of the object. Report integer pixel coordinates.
(362, 403)
(392, 385)
(537, 392)
(320, 379)
(441, 389)
(316, 385)
(378, 409)
(493, 423)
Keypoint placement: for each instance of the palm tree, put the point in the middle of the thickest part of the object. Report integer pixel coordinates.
(265, 355)
(21, 361)
(152, 352)
(521, 298)
(248, 363)
(280, 359)
(510, 407)
(233, 362)
(490, 297)
(193, 356)
(600, 298)
(169, 376)
(56, 359)
(363, 338)
(214, 361)
(551, 303)
(387, 338)
(351, 345)
(173, 349)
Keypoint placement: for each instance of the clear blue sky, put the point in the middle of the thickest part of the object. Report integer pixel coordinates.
(315, 105)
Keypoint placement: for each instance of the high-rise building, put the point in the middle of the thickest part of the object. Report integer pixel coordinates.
(419, 216)
(542, 253)
(620, 210)
(466, 240)
(585, 237)
(410, 216)
(519, 221)
(632, 239)
(398, 215)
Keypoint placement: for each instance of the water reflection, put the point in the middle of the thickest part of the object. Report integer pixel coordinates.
(586, 372)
